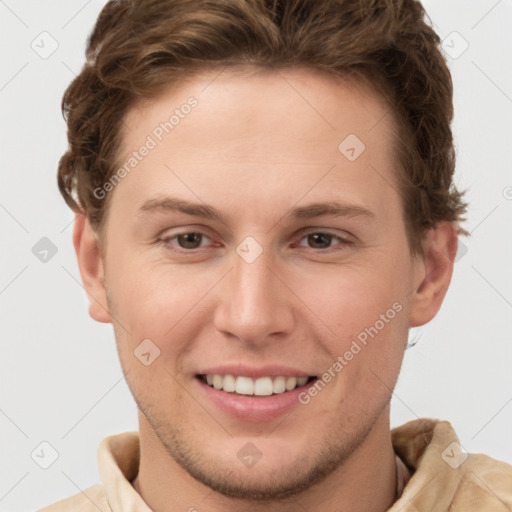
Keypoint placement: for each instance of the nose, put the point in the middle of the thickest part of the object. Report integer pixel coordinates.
(254, 303)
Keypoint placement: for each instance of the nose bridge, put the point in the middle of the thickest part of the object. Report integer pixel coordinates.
(252, 305)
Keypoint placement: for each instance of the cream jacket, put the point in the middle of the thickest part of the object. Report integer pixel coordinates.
(443, 478)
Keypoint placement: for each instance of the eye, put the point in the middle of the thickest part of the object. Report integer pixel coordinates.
(186, 241)
(322, 240)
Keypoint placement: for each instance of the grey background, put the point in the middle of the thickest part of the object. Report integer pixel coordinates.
(60, 380)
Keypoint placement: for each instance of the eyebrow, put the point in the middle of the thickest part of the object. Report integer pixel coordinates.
(309, 211)
(330, 208)
(180, 205)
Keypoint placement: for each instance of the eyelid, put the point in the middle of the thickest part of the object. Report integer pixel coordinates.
(175, 231)
(343, 235)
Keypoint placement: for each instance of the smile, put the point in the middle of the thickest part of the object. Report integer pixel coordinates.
(262, 386)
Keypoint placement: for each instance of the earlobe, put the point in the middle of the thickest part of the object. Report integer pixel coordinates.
(433, 272)
(91, 268)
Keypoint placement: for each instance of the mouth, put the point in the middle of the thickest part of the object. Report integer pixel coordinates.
(259, 387)
(254, 394)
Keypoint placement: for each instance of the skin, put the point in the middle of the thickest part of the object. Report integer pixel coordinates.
(254, 148)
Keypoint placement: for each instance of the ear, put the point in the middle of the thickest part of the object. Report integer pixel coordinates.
(433, 272)
(91, 268)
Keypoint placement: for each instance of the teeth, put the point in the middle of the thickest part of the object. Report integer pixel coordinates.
(228, 384)
(301, 381)
(217, 381)
(279, 385)
(244, 385)
(291, 383)
(264, 386)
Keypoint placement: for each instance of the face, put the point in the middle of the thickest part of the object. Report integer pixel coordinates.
(259, 243)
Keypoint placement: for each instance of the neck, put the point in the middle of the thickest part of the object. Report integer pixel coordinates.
(366, 482)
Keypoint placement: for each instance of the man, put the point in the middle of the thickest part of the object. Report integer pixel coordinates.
(265, 206)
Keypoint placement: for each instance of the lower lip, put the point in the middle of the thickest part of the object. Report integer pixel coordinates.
(253, 408)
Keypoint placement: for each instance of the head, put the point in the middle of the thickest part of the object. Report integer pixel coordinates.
(263, 189)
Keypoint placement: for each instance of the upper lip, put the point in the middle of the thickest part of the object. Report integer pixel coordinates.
(254, 373)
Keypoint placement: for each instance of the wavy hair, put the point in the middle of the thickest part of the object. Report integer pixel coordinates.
(138, 47)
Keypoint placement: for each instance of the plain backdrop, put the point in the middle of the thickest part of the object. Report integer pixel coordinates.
(60, 379)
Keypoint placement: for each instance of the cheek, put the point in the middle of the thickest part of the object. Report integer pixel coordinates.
(365, 314)
(158, 303)
(349, 298)
(151, 295)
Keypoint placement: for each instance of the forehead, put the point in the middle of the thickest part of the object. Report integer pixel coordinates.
(252, 129)
(243, 102)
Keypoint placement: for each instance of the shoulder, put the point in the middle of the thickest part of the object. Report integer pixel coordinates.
(443, 476)
(89, 500)
(484, 480)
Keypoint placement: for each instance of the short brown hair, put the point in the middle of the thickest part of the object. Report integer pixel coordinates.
(140, 46)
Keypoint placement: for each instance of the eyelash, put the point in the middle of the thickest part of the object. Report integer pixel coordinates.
(166, 242)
